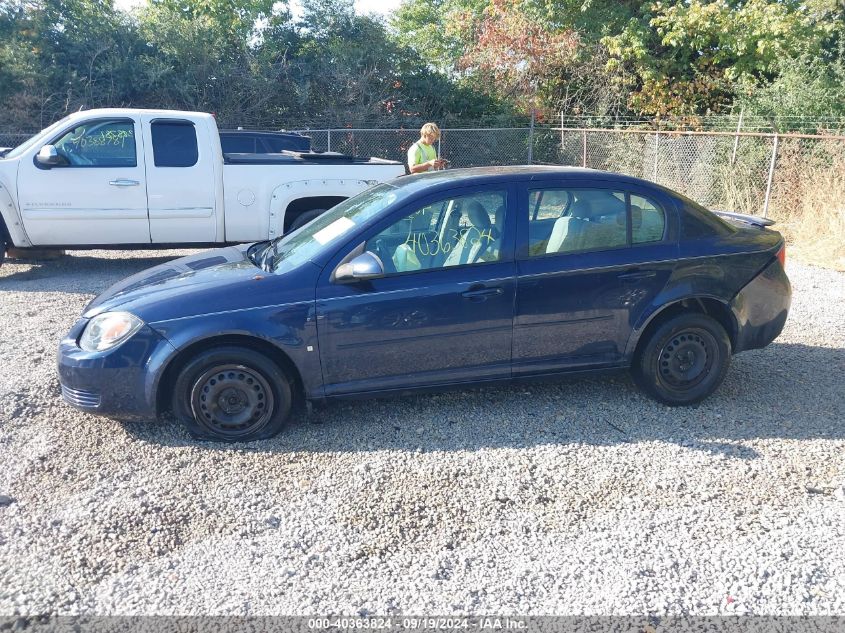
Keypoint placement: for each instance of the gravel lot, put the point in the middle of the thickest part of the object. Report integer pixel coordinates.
(581, 497)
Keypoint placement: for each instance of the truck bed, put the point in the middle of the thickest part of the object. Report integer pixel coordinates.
(304, 158)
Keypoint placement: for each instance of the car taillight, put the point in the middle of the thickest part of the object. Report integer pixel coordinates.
(782, 255)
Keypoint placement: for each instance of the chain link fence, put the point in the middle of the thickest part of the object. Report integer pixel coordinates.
(756, 173)
(13, 138)
(748, 172)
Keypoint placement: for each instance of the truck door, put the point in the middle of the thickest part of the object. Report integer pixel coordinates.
(96, 194)
(181, 182)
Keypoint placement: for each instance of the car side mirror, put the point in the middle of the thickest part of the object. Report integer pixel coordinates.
(48, 156)
(361, 268)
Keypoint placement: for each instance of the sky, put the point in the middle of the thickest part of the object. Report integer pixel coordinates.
(361, 6)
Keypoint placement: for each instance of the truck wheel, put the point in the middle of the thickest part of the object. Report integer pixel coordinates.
(684, 360)
(2, 251)
(305, 218)
(232, 394)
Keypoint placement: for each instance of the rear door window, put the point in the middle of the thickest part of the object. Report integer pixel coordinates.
(575, 220)
(174, 144)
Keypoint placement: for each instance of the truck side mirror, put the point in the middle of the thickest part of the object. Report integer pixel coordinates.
(48, 156)
(361, 268)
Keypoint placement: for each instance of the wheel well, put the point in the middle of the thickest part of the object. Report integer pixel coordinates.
(301, 205)
(704, 305)
(168, 379)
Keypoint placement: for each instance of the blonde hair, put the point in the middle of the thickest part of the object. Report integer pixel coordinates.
(430, 128)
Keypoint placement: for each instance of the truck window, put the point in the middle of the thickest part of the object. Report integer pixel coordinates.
(174, 144)
(100, 143)
(235, 144)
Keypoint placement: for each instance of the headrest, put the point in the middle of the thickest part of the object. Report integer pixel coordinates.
(581, 209)
(421, 220)
(478, 215)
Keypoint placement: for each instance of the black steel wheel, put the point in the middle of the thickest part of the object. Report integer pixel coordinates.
(683, 360)
(232, 394)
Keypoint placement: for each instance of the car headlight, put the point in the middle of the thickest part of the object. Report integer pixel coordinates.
(109, 329)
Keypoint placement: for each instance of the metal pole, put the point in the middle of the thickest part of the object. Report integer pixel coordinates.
(656, 153)
(531, 139)
(329, 140)
(771, 176)
(561, 133)
(584, 150)
(439, 153)
(736, 138)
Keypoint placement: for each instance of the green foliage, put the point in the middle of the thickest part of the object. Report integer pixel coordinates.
(687, 58)
(254, 63)
(249, 61)
(803, 92)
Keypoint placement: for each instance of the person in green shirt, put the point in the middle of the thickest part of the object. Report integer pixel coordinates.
(422, 155)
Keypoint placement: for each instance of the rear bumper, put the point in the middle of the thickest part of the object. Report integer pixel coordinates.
(761, 308)
(118, 383)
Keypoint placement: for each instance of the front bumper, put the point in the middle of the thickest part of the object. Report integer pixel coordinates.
(120, 382)
(761, 307)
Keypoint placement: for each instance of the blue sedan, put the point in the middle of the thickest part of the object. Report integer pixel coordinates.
(438, 280)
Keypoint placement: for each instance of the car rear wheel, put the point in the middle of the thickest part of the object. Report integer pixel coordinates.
(684, 360)
(232, 394)
(305, 218)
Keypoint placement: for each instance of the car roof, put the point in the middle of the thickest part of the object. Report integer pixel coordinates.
(435, 180)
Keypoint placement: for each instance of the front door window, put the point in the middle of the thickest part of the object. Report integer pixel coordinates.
(453, 232)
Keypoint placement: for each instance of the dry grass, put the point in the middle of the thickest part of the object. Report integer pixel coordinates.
(809, 203)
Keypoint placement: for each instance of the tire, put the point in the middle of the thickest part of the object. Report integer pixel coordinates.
(232, 394)
(2, 250)
(305, 218)
(684, 360)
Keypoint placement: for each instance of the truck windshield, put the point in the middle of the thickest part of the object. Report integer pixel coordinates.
(294, 249)
(20, 149)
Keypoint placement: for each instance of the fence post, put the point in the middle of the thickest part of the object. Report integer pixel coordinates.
(771, 175)
(531, 139)
(560, 154)
(329, 140)
(736, 138)
(584, 149)
(656, 153)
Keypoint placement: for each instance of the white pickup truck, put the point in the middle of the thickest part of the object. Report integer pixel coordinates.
(124, 177)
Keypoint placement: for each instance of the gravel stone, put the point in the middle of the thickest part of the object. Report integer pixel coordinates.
(577, 497)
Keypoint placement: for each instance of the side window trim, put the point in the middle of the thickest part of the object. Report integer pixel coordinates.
(73, 126)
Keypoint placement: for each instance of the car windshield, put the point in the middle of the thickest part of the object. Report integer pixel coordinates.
(20, 149)
(294, 249)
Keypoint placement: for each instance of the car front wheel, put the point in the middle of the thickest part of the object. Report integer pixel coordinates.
(684, 360)
(232, 394)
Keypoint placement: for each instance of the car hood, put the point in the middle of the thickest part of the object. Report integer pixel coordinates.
(213, 281)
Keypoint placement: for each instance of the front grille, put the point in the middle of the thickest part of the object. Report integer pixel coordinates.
(80, 398)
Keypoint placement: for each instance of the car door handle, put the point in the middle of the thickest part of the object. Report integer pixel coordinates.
(637, 274)
(481, 292)
(124, 182)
